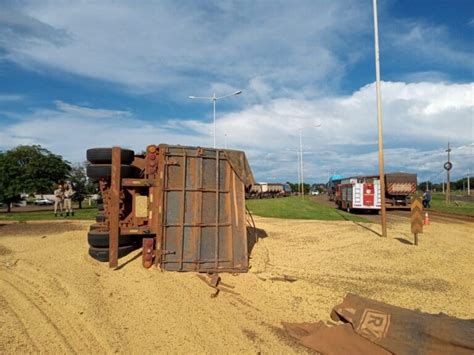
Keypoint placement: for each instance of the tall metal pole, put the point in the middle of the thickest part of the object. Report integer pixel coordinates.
(214, 99)
(448, 185)
(443, 186)
(469, 183)
(299, 174)
(301, 167)
(379, 123)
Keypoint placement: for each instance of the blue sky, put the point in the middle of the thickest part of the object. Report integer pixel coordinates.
(75, 75)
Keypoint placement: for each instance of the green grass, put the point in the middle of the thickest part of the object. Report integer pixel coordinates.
(438, 203)
(296, 208)
(85, 213)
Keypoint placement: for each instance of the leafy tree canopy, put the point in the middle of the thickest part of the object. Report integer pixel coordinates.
(81, 185)
(30, 169)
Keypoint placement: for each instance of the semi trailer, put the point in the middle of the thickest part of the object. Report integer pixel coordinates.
(184, 206)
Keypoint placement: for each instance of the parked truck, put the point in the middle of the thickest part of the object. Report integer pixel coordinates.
(184, 206)
(268, 190)
(399, 188)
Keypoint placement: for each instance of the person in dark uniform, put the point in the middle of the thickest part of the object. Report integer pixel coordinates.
(427, 199)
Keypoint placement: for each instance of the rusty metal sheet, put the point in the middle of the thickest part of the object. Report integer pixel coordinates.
(203, 212)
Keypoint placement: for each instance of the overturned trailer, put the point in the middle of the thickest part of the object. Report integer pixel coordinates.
(185, 206)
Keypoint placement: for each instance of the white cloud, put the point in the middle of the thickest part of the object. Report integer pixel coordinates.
(150, 46)
(419, 120)
(10, 98)
(433, 44)
(89, 112)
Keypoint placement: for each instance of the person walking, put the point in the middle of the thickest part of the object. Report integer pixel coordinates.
(68, 192)
(427, 199)
(58, 200)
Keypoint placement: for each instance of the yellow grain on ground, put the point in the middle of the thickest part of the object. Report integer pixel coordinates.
(54, 298)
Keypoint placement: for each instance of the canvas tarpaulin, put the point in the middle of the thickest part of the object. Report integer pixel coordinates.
(240, 165)
(390, 329)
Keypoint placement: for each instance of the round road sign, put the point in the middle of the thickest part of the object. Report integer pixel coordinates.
(448, 165)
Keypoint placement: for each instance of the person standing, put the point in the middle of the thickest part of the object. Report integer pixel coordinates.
(426, 199)
(68, 192)
(58, 200)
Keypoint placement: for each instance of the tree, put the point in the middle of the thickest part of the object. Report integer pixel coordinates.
(10, 190)
(81, 185)
(295, 187)
(29, 169)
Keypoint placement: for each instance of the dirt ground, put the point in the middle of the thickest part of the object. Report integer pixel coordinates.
(54, 298)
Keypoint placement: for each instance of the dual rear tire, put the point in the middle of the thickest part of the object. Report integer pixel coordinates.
(101, 163)
(101, 168)
(104, 156)
(102, 254)
(98, 241)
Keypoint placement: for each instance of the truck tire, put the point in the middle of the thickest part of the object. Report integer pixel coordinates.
(102, 254)
(104, 156)
(94, 226)
(100, 239)
(96, 171)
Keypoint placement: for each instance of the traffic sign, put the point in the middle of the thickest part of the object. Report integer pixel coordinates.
(416, 217)
(448, 165)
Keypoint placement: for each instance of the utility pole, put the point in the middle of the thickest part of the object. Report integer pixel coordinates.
(448, 168)
(301, 167)
(300, 162)
(379, 123)
(469, 183)
(443, 186)
(299, 174)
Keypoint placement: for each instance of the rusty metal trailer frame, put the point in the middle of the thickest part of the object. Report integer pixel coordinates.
(188, 205)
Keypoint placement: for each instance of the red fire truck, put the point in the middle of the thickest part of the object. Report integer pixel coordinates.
(359, 193)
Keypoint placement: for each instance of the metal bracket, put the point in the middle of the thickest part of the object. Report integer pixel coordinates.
(214, 282)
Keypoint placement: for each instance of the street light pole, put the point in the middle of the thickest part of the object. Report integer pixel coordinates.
(214, 98)
(301, 165)
(379, 123)
(469, 182)
(448, 185)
